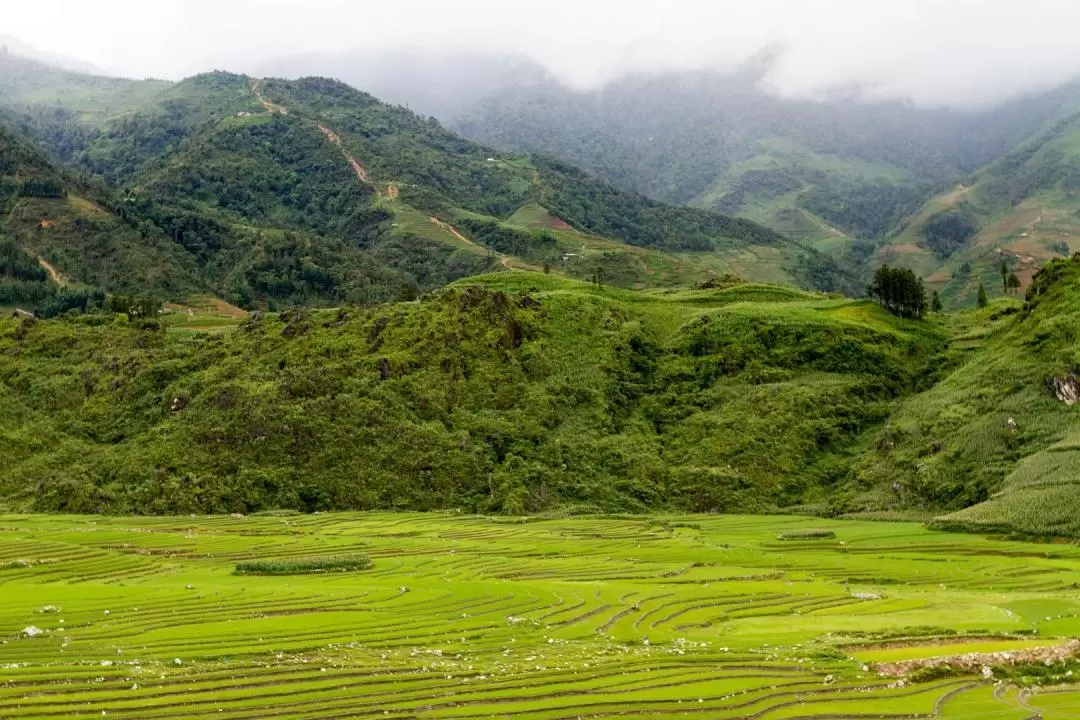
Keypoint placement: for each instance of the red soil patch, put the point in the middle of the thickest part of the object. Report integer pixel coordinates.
(557, 223)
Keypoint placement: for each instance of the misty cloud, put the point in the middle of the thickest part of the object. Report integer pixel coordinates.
(958, 52)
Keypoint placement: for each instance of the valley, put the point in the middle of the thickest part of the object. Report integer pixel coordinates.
(499, 395)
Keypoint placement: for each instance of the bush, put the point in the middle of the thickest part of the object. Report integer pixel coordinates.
(305, 566)
(806, 535)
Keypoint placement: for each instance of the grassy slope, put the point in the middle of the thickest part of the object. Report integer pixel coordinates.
(953, 445)
(603, 617)
(1028, 210)
(783, 211)
(92, 99)
(516, 392)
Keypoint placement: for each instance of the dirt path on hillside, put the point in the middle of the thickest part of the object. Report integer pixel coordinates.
(456, 233)
(53, 272)
(956, 194)
(361, 172)
(270, 107)
(824, 225)
(332, 137)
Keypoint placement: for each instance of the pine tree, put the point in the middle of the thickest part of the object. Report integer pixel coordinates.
(1004, 277)
(982, 296)
(900, 291)
(935, 303)
(1013, 283)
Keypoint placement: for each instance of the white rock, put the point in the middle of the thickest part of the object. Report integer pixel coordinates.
(32, 632)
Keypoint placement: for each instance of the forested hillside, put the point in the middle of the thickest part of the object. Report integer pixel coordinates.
(518, 392)
(51, 218)
(834, 171)
(1023, 210)
(524, 392)
(310, 192)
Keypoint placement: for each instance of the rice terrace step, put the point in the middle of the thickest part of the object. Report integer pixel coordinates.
(441, 616)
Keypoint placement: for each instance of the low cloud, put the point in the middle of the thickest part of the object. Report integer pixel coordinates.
(935, 52)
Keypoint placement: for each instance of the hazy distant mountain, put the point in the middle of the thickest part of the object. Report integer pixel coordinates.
(444, 85)
(16, 46)
(838, 172)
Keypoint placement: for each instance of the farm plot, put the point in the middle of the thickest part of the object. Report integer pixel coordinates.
(437, 616)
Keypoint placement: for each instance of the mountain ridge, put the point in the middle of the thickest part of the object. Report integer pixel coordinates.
(184, 147)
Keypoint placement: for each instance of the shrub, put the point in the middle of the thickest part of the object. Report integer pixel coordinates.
(806, 535)
(305, 566)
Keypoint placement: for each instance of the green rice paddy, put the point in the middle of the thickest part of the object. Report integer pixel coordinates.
(541, 619)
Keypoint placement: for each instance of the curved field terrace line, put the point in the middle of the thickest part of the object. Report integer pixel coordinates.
(472, 617)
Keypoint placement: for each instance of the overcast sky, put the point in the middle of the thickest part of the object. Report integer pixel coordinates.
(932, 51)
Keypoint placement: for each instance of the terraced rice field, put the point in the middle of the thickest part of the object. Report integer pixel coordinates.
(460, 617)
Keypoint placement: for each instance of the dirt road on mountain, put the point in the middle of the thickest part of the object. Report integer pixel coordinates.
(507, 261)
(824, 225)
(361, 172)
(456, 233)
(270, 107)
(53, 272)
(331, 136)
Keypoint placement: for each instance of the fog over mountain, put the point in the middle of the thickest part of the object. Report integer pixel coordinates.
(955, 52)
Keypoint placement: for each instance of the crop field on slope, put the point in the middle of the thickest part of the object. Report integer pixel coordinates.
(467, 617)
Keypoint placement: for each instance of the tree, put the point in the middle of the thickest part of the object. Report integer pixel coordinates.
(900, 291)
(1004, 276)
(982, 296)
(1012, 284)
(935, 303)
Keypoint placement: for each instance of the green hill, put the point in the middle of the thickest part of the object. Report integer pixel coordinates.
(837, 172)
(1023, 209)
(315, 156)
(513, 392)
(70, 230)
(995, 433)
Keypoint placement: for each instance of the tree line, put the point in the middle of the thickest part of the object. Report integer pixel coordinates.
(900, 291)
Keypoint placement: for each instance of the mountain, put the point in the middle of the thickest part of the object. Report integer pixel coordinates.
(719, 141)
(14, 46)
(512, 392)
(462, 365)
(1023, 209)
(353, 180)
(842, 173)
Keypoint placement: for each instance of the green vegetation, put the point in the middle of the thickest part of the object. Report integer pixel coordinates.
(999, 431)
(834, 172)
(1018, 211)
(899, 291)
(459, 617)
(517, 392)
(948, 231)
(280, 193)
(305, 566)
(809, 534)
